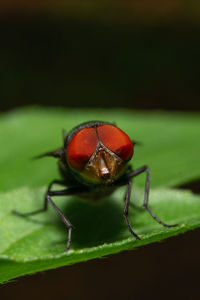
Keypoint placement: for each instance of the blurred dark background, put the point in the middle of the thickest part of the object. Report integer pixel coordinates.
(135, 54)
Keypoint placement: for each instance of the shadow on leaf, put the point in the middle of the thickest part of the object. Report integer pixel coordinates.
(94, 224)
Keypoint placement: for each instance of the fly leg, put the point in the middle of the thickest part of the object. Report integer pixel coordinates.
(48, 195)
(59, 213)
(45, 206)
(69, 191)
(146, 195)
(126, 207)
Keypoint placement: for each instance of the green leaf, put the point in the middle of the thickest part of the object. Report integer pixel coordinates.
(37, 243)
(171, 143)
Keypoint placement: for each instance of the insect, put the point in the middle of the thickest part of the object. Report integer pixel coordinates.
(93, 162)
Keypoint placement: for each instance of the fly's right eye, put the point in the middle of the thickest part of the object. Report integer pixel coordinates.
(116, 140)
(81, 147)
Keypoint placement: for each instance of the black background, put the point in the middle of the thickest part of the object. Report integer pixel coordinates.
(64, 61)
(61, 59)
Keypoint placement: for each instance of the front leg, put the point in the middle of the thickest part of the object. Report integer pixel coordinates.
(60, 214)
(69, 191)
(126, 207)
(48, 195)
(132, 174)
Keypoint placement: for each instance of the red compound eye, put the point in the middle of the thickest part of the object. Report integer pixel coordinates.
(81, 147)
(116, 140)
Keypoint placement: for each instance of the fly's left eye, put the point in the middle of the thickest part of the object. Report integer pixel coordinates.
(81, 147)
(116, 140)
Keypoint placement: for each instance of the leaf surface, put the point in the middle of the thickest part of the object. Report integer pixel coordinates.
(37, 243)
(171, 143)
